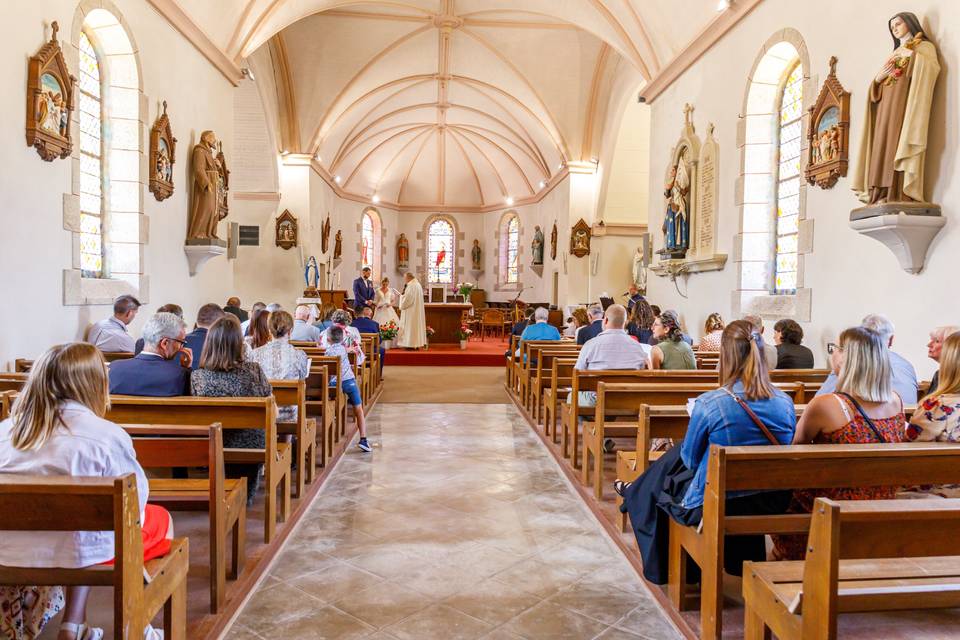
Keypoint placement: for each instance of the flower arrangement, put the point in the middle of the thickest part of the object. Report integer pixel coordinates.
(389, 330)
(430, 331)
(464, 332)
(464, 289)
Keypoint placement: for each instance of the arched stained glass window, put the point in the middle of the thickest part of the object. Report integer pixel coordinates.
(367, 242)
(788, 181)
(513, 249)
(91, 161)
(440, 252)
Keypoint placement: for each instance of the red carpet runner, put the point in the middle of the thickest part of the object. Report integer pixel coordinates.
(489, 353)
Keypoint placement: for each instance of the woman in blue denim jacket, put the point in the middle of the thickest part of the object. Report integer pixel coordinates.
(673, 486)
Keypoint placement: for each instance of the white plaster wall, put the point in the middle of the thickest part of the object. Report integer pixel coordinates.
(34, 246)
(850, 275)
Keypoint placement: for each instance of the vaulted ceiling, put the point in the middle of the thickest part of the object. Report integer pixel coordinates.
(440, 104)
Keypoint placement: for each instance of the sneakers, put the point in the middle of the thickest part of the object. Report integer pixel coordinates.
(364, 446)
(609, 445)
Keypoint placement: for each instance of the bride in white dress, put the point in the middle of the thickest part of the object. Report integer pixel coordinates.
(383, 301)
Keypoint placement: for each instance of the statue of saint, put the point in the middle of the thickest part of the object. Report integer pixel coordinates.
(537, 245)
(337, 245)
(894, 143)
(676, 222)
(311, 266)
(325, 235)
(639, 271)
(553, 242)
(403, 253)
(476, 254)
(206, 181)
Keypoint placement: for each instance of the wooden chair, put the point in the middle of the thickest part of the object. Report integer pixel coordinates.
(165, 447)
(771, 468)
(52, 503)
(862, 555)
(304, 430)
(231, 413)
(491, 319)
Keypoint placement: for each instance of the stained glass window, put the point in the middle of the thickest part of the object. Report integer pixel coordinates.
(788, 182)
(91, 162)
(366, 242)
(440, 248)
(513, 245)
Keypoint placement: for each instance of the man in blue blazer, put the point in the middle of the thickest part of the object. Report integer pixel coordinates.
(162, 368)
(363, 291)
(595, 327)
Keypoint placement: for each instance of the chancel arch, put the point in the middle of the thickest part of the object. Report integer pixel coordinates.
(104, 211)
(774, 233)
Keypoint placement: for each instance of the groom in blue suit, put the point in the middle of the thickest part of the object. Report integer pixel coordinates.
(363, 290)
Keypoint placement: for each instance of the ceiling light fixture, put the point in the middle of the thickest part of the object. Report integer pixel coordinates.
(284, 153)
(376, 199)
(317, 158)
(247, 73)
(543, 184)
(723, 5)
(337, 179)
(509, 201)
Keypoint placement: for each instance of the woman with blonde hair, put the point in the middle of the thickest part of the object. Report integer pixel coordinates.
(712, 332)
(746, 410)
(864, 409)
(937, 417)
(326, 310)
(56, 428)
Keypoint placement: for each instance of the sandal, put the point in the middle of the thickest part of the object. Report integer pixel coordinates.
(620, 486)
(82, 631)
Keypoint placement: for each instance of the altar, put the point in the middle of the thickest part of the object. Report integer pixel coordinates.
(445, 318)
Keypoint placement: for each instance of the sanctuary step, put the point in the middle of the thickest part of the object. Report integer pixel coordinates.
(489, 353)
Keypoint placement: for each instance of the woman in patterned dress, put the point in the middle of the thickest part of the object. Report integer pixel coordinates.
(864, 409)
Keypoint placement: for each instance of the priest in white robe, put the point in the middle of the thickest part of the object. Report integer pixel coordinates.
(413, 323)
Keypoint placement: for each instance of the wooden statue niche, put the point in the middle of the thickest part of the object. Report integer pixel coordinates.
(162, 156)
(325, 235)
(50, 101)
(580, 239)
(829, 133)
(286, 230)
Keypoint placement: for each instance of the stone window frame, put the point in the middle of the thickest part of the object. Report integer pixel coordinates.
(423, 253)
(377, 251)
(756, 197)
(500, 253)
(125, 231)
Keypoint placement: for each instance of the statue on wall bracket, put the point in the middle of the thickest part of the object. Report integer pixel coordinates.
(888, 175)
(50, 101)
(679, 192)
(162, 156)
(828, 133)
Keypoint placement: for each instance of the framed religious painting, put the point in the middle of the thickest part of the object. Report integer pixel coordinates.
(580, 239)
(828, 133)
(50, 101)
(162, 156)
(286, 230)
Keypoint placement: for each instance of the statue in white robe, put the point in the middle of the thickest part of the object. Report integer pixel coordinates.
(413, 323)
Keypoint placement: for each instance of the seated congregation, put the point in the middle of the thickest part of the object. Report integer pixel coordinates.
(123, 410)
(717, 454)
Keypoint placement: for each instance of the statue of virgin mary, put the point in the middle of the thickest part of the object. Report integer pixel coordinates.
(894, 144)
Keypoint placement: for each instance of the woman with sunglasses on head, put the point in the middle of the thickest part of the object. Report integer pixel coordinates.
(746, 410)
(864, 409)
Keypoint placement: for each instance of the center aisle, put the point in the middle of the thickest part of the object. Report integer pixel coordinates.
(458, 526)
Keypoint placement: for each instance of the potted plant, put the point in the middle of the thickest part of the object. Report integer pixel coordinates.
(388, 333)
(464, 289)
(430, 332)
(464, 333)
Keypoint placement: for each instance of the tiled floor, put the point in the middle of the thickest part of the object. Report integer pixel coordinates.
(457, 526)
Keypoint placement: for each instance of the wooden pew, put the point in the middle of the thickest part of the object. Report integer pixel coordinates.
(625, 400)
(304, 430)
(855, 563)
(371, 348)
(773, 468)
(511, 363)
(113, 356)
(707, 359)
(12, 381)
(6, 401)
(321, 408)
(817, 376)
(561, 379)
(50, 503)
(524, 365)
(332, 363)
(231, 413)
(165, 447)
(540, 371)
(22, 365)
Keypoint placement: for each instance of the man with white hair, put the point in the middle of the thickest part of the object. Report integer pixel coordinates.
(592, 330)
(904, 379)
(540, 330)
(303, 330)
(935, 346)
(162, 368)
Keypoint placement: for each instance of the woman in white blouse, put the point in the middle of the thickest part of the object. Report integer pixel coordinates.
(57, 428)
(383, 301)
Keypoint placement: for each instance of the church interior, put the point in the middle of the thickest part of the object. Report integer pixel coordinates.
(479, 319)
